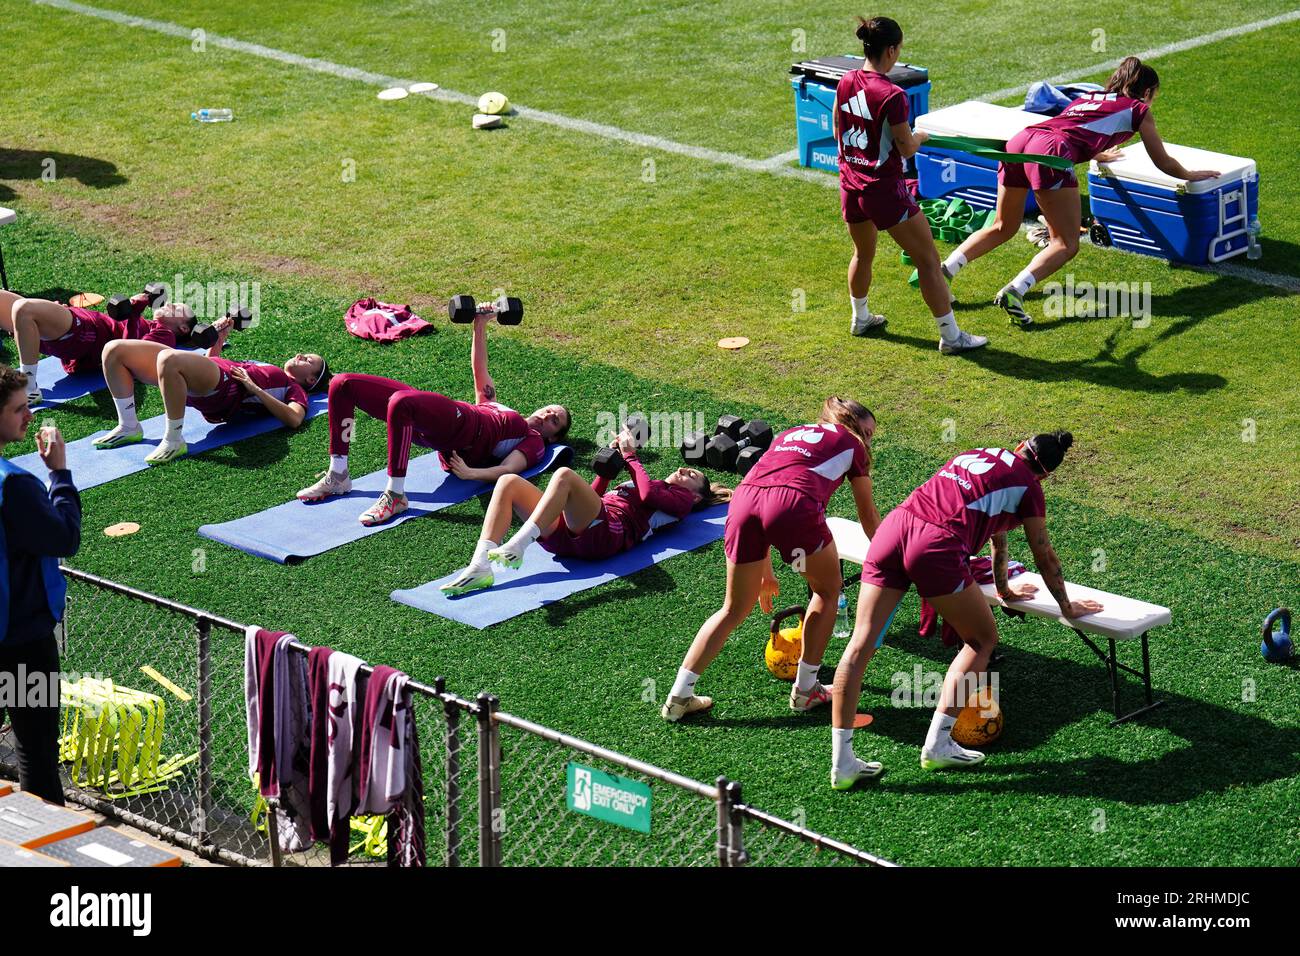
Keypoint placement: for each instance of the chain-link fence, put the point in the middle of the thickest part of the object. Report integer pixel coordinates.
(155, 734)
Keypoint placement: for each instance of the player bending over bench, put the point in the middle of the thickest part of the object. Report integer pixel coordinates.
(479, 442)
(1092, 127)
(781, 503)
(78, 336)
(575, 519)
(221, 390)
(927, 541)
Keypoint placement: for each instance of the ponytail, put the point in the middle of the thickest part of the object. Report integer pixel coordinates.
(1047, 451)
(1133, 79)
(877, 35)
(717, 494)
(848, 414)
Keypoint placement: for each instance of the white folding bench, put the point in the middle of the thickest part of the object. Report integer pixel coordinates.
(1121, 618)
(6, 216)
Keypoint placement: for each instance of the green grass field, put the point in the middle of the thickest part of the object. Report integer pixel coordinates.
(629, 284)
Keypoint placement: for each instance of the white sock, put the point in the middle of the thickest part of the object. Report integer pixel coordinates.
(396, 485)
(940, 730)
(1023, 282)
(948, 330)
(806, 677)
(684, 686)
(174, 435)
(860, 310)
(126, 417)
(524, 537)
(842, 756)
(479, 563)
(339, 464)
(954, 263)
(30, 372)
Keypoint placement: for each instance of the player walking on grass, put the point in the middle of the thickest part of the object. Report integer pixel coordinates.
(78, 336)
(976, 497)
(479, 442)
(575, 519)
(1092, 127)
(874, 138)
(219, 389)
(781, 503)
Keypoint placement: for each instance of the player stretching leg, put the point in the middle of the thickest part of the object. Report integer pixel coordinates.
(781, 503)
(927, 541)
(1092, 127)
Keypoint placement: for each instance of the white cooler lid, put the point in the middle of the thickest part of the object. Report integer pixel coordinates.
(974, 118)
(1136, 166)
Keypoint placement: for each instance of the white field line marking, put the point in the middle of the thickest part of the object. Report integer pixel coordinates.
(601, 130)
(1152, 54)
(774, 165)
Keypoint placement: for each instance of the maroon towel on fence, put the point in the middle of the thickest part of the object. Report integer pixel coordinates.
(266, 774)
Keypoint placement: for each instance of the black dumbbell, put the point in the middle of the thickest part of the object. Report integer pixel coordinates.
(205, 336)
(726, 452)
(609, 461)
(508, 309)
(121, 307)
(694, 444)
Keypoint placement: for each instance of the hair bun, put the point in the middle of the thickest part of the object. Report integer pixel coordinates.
(1065, 439)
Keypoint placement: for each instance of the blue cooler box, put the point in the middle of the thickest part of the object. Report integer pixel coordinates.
(1140, 209)
(952, 174)
(815, 82)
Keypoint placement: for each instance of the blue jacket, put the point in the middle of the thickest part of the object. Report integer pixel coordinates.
(37, 528)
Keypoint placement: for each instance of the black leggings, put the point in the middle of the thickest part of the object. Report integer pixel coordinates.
(36, 729)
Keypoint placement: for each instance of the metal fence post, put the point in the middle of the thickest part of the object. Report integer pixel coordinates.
(735, 825)
(452, 793)
(204, 694)
(724, 824)
(489, 781)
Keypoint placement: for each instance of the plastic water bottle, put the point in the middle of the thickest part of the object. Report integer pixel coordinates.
(212, 116)
(843, 627)
(1253, 231)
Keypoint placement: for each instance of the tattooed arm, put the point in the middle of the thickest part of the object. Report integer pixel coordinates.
(1049, 567)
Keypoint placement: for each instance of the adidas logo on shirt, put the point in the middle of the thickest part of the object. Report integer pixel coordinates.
(857, 105)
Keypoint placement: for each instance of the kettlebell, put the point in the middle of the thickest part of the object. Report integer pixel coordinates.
(1276, 646)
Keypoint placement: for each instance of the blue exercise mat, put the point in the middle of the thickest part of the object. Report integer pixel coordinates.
(545, 579)
(93, 466)
(57, 386)
(297, 530)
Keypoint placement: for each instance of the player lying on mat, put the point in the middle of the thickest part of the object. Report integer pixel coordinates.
(1092, 127)
(479, 442)
(221, 390)
(78, 336)
(874, 138)
(575, 519)
(781, 503)
(976, 497)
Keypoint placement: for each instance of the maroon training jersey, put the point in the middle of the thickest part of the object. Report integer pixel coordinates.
(81, 346)
(1096, 122)
(978, 494)
(867, 103)
(496, 432)
(643, 504)
(813, 459)
(229, 399)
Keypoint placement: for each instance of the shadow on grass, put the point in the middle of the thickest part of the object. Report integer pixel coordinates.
(37, 163)
(1107, 368)
(1223, 748)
